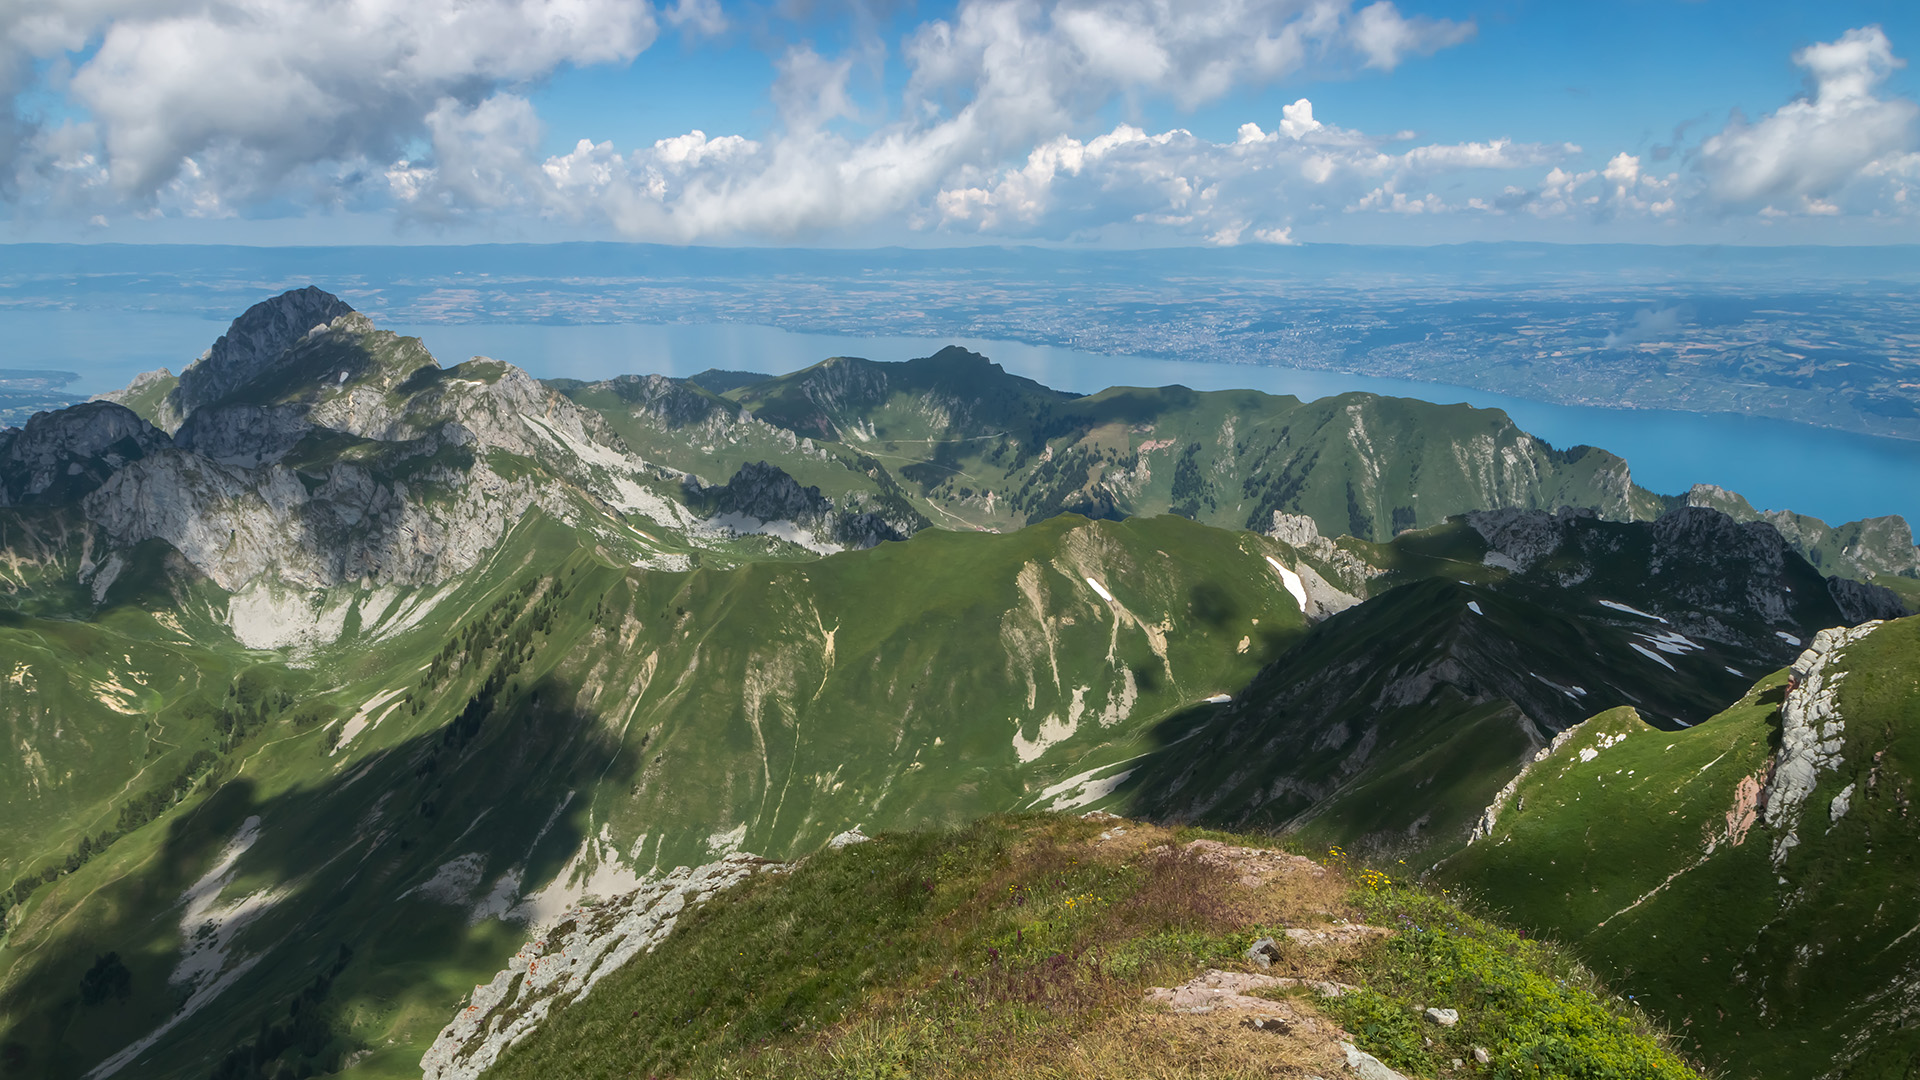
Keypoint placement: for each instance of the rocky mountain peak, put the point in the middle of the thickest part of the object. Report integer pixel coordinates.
(70, 452)
(255, 340)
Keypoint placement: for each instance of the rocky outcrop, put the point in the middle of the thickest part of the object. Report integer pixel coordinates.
(563, 962)
(254, 342)
(1856, 549)
(244, 434)
(60, 456)
(1516, 539)
(237, 524)
(671, 403)
(1812, 735)
(1704, 560)
(1299, 532)
(1865, 603)
(761, 493)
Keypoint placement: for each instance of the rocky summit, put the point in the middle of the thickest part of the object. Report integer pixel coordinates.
(370, 716)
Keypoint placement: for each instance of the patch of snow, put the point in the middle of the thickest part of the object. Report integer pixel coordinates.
(1650, 654)
(1073, 791)
(1617, 606)
(1672, 642)
(1474, 606)
(207, 928)
(1218, 699)
(1092, 791)
(1053, 731)
(1292, 581)
(499, 901)
(454, 882)
(360, 721)
(1786, 637)
(1101, 589)
(594, 870)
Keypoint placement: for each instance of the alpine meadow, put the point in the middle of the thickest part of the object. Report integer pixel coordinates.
(959, 539)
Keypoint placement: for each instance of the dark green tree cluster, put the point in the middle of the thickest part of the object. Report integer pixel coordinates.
(107, 978)
(1190, 487)
(467, 647)
(302, 1045)
(255, 698)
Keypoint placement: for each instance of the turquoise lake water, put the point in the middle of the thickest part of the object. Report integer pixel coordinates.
(1833, 475)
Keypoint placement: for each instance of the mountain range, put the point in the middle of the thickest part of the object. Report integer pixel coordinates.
(333, 671)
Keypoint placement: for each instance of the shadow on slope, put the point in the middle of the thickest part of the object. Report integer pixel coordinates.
(310, 905)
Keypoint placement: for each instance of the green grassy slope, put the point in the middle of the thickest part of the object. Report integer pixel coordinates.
(967, 445)
(1022, 947)
(590, 721)
(1394, 723)
(1640, 848)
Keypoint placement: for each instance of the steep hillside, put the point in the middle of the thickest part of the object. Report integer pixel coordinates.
(1879, 550)
(1393, 723)
(963, 443)
(1751, 879)
(554, 725)
(324, 689)
(1059, 947)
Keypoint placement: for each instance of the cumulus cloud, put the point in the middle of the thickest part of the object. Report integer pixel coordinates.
(1386, 38)
(1814, 149)
(1650, 324)
(998, 79)
(239, 96)
(1219, 192)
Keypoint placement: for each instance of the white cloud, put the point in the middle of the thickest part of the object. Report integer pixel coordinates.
(700, 16)
(1812, 150)
(236, 99)
(1386, 38)
(1220, 193)
(999, 78)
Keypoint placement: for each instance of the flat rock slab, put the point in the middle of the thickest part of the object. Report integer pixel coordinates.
(1233, 990)
(1256, 866)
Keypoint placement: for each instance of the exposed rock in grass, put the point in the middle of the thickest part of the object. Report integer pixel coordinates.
(562, 962)
(1812, 733)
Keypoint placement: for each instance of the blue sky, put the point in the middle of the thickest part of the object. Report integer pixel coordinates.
(1076, 122)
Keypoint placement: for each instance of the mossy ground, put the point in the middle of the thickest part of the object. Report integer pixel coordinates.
(1023, 946)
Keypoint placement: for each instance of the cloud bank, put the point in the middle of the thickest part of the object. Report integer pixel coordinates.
(994, 129)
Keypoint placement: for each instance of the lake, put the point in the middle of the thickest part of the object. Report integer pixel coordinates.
(1838, 476)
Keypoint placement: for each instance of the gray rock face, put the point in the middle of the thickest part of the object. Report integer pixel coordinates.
(65, 454)
(1812, 735)
(766, 493)
(1855, 549)
(237, 524)
(562, 963)
(1702, 558)
(247, 435)
(1863, 603)
(254, 341)
(1519, 538)
(670, 402)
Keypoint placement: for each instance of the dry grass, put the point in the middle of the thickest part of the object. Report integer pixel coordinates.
(1078, 1011)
